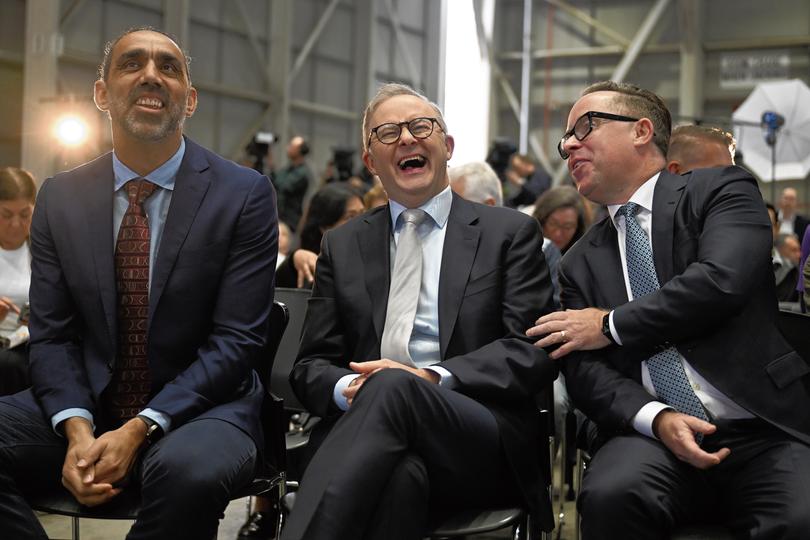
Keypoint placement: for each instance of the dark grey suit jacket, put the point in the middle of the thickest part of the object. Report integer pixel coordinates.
(493, 285)
(711, 241)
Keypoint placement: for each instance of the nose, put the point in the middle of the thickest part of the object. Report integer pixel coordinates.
(405, 136)
(150, 72)
(571, 144)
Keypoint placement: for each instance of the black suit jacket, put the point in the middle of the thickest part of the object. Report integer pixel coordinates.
(493, 285)
(209, 299)
(712, 248)
(800, 225)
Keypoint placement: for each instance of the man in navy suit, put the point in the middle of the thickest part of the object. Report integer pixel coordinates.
(192, 435)
(449, 419)
(669, 341)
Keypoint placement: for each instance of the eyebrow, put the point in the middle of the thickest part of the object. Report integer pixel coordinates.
(140, 52)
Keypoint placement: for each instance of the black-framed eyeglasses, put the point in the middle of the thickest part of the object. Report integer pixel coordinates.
(420, 128)
(584, 125)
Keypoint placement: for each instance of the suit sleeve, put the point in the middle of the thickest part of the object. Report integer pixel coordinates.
(58, 375)
(322, 357)
(511, 367)
(239, 316)
(733, 250)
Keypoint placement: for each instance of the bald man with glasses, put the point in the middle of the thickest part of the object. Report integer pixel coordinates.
(426, 386)
(669, 341)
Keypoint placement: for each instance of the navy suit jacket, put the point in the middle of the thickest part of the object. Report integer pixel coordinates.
(210, 296)
(493, 285)
(711, 240)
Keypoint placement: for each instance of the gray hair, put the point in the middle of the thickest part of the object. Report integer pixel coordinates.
(480, 182)
(386, 92)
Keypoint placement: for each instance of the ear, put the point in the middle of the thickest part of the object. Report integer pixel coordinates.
(100, 95)
(674, 167)
(450, 144)
(369, 161)
(643, 132)
(191, 102)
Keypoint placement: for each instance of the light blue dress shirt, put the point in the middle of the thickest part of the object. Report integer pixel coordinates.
(424, 345)
(156, 208)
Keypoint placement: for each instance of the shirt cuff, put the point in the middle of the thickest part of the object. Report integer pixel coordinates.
(159, 418)
(64, 414)
(613, 331)
(337, 394)
(643, 420)
(445, 377)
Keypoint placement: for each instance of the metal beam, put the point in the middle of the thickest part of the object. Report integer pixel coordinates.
(323, 110)
(641, 37)
(577, 13)
(69, 12)
(175, 19)
(525, 77)
(43, 45)
(404, 48)
(312, 39)
(254, 42)
(690, 16)
(364, 54)
(280, 47)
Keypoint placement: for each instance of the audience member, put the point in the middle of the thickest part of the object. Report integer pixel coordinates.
(700, 403)
(525, 181)
(789, 220)
(803, 264)
(375, 197)
(292, 183)
(699, 147)
(786, 255)
(18, 192)
(331, 206)
(408, 382)
(773, 215)
(174, 415)
(561, 214)
(284, 241)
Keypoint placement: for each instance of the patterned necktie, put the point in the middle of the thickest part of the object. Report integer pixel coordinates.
(128, 391)
(403, 296)
(666, 369)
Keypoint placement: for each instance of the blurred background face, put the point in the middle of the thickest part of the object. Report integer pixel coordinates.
(354, 207)
(560, 226)
(15, 222)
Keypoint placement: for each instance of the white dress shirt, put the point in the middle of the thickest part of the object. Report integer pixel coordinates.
(717, 403)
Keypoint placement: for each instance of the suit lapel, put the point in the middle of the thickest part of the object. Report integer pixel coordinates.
(668, 191)
(605, 267)
(374, 241)
(100, 196)
(190, 187)
(458, 255)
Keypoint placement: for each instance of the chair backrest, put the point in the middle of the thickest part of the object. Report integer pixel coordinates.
(296, 302)
(795, 327)
(278, 321)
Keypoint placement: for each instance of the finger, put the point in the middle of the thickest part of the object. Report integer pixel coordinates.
(366, 367)
(300, 280)
(562, 350)
(309, 270)
(553, 316)
(700, 426)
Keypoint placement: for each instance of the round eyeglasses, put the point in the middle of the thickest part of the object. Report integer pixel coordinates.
(584, 125)
(420, 128)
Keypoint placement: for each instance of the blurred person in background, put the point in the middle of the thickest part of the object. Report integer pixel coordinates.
(561, 214)
(526, 181)
(804, 280)
(284, 241)
(375, 197)
(790, 221)
(786, 257)
(699, 147)
(292, 182)
(17, 196)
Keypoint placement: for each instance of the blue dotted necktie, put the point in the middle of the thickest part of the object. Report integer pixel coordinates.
(666, 369)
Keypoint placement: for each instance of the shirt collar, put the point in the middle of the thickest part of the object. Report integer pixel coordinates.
(163, 176)
(643, 197)
(437, 207)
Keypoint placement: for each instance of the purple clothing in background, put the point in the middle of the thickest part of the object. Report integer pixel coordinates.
(805, 252)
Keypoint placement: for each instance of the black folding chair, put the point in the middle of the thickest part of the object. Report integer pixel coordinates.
(272, 476)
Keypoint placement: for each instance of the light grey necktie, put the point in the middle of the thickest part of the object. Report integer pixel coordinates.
(403, 296)
(666, 370)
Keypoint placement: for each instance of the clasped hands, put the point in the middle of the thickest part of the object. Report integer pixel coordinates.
(572, 330)
(367, 369)
(96, 468)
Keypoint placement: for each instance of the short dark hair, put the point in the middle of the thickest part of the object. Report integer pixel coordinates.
(104, 66)
(556, 198)
(638, 102)
(16, 184)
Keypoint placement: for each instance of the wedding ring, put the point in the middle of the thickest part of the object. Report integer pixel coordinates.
(562, 335)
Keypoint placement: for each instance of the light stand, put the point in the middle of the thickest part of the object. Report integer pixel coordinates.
(772, 121)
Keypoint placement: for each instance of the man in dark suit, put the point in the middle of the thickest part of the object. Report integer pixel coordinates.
(449, 419)
(791, 221)
(702, 406)
(191, 265)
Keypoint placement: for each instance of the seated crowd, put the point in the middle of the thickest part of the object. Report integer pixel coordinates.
(644, 293)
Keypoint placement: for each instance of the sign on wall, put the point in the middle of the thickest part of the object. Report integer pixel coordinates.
(747, 69)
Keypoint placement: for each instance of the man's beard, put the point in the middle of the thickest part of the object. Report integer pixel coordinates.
(140, 126)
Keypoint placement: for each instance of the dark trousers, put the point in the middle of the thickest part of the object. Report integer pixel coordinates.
(14, 370)
(636, 488)
(406, 453)
(185, 478)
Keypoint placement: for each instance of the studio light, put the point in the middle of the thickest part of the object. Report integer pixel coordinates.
(71, 130)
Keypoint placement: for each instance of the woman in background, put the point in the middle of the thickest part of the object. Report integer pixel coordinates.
(561, 214)
(17, 197)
